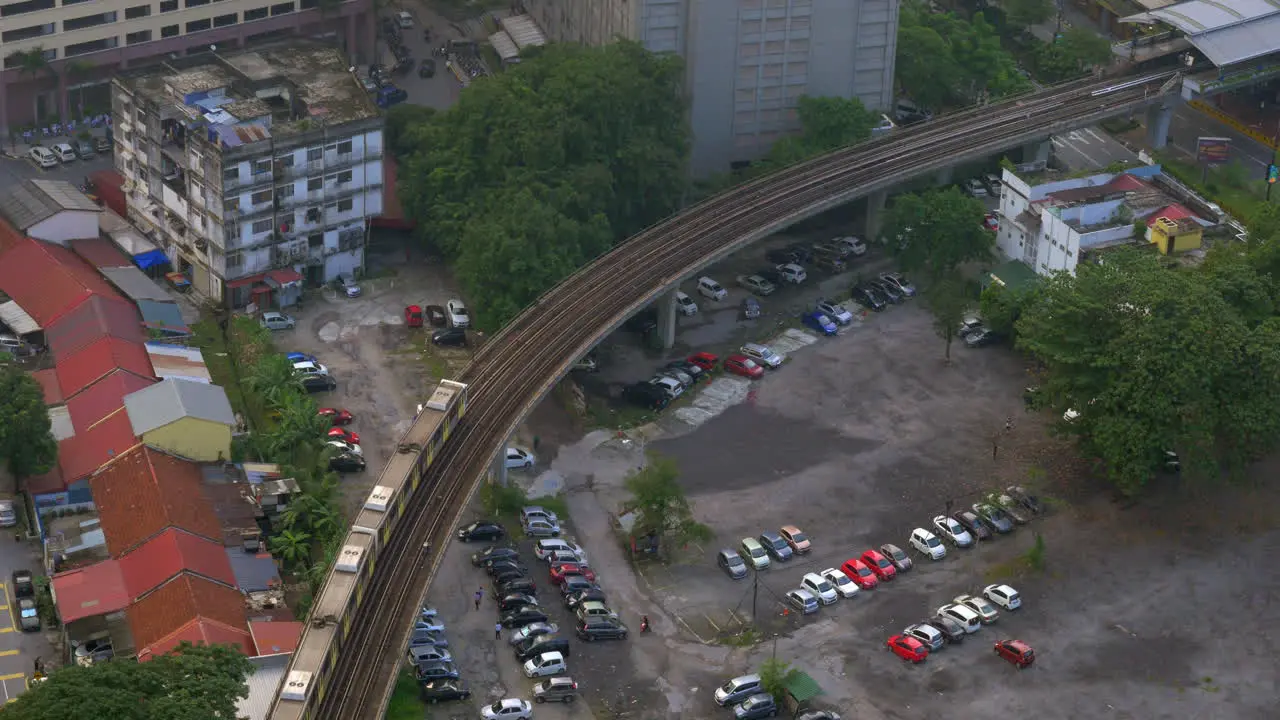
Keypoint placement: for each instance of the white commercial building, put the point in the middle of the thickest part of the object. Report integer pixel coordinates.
(254, 170)
(747, 61)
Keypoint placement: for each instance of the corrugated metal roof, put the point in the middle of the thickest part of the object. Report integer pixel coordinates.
(134, 284)
(60, 425)
(523, 30)
(504, 45)
(89, 591)
(173, 551)
(48, 280)
(34, 201)
(1226, 32)
(145, 491)
(128, 238)
(96, 318)
(253, 572)
(48, 379)
(163, 316)
(175, 361)
(80, 456)
(264, 682)
(100, 252)
(103, 397)
(173, 399)
(12, 315)
(97, 359)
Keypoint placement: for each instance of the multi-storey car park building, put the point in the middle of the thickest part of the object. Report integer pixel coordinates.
(84, 43)
(253, 170)
(747, 61)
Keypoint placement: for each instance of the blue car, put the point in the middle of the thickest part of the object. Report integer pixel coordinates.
(297, 357)
(819, 322)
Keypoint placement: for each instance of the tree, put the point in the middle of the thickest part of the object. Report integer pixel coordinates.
(292, 546)
(936, 232)
(660, 504)
(26, 442)
(947, 299)
(1085, 47)
(274, 378)
(1001, 306)
(400, 119)
(190, 683)
(924, 67)
(828, 123)
(1024, 13)
(945, 59)
(539, 169)
(775, 676)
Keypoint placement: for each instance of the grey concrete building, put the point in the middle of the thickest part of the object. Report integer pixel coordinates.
(748, 61)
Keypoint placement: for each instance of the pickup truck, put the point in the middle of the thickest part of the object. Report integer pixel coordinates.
(756, 284)
(792, 273)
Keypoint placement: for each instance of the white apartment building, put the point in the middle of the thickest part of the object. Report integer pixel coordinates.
(1051, 226)
(262, 162)
(83, 44)
(747, 61)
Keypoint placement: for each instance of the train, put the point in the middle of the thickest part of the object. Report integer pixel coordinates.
(330, 623)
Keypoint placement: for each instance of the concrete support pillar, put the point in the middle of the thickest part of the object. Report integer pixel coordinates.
(5, 126)
(1036, 152)
(1159, 118)
(63, 101)
(353, 40)
(367, 51)
(667, 320)
(943, 176)
(875, 215)
(499, 468)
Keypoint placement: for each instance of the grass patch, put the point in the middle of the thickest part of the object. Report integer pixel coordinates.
(1031, 561)
(602, 414)
(492, 60)
(207, 336)
(747, 638)
(406, 701)
(1229, 185)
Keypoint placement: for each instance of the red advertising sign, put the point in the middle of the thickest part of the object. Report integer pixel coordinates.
(1213, 150)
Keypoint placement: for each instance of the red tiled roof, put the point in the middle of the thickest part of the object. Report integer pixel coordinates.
(103, 398)
(188, 608)
(1125, 182)
(81, 454)
(171, 552)
(10, 237)
(100, 253)
(1173, 212)
(145, 491)
(275, 637)
(48, 379)
(89, 591)
(92, 362)
(98, 317)
(47, 280)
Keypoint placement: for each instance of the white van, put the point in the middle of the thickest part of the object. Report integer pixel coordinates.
(685, 304)
(709, 288)
(43, 157)
(65, 152)
(544, 547)
(551, 663)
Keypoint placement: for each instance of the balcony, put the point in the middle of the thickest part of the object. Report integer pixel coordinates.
(332, 164)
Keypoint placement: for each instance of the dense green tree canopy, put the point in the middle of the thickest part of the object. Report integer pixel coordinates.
(1022, 13)
(544, 166)
(944, 59)
(935, 232)
(192, 683)
(827, 124)
(26, 443)
(1155, 359)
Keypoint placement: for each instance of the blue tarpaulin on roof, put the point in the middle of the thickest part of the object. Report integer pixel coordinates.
(150, 259)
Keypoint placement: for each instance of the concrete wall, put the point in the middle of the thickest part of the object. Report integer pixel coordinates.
(193, 438)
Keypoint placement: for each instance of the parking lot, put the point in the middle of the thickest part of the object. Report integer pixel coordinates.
(18, 649)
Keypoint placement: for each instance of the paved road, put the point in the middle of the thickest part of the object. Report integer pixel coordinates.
(1189, 124)
(18, 649)
(442, 90)
(1089, 148)
(15, 170)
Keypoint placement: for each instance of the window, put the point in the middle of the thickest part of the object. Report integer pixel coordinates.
(19, 8)
(261, 167)
(285, 161)
(27, 33)
(168, 31)
(134, 38)
(314, 154)
(13, 60)
(262, 226)
(346, 205)
(168, 5)
(260, 197)
(72, 2)
(235, 260)
(314, 184)
(343, 177)
(196, 26)
(286, 191)
(281, 9)
(196, 3)
(308, 4)
(91, 46)
(231, 205)
(224, 20)
(230, 175)
(137, 11)
(88, 21)
(344, 148)
(315, 240)
(255, 14)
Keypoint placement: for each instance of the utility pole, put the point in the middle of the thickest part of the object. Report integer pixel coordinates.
(755, 596)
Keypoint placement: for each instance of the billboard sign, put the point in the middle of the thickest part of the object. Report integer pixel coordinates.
(1213, 150)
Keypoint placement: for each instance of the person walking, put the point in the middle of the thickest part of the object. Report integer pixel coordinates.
(497, 631)
(479, 597)
(644, 623)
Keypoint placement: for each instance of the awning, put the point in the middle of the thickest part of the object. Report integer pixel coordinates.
(284, 278)
(17, 319)
(245, 281)
(150, 259)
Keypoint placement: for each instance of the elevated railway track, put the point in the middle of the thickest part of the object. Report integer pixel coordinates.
(351, 677)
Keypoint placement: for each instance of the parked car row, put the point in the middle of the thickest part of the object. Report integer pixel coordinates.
(746, 695)
(963, 616)
(999, 513)
(975, 334)
(880, 292)
(52, 155)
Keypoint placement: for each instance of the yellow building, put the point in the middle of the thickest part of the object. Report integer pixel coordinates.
(184, 417)
(1172, 235)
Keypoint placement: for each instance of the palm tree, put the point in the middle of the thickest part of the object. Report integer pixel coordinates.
(274, 379)
(291, 547)
(32, 63)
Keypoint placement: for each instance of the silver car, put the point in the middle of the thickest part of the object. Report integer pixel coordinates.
(762, 354)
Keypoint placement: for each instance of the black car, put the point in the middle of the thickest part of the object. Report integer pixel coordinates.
(436, 316)
(427, 68)
(781, 256)
(535, 646)
(650, 397)
(507, 574)
(515, 601)
(496, 567)
(522, 585)
(444, 691)
(974, 524)
(347, 462)
(23, 585)
(318, 383)
(450, 337)
(750, 308)
(523, 616)
(772, 275)
(1025, 499)
(575, 583)
(802, 252)
(980, 338)
(951, 630)
(602, 629)
(435, 670)
(84, 150)
(482, 530)
(643, 322)
(574, 599)
(867, 299)
(687, 368)
(889, 292)
(493, 553)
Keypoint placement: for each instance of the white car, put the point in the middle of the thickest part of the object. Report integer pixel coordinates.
(64, 151)
(709, 288)
(277, 321)
(855, 245)
(520, 459)
(926, 634)
(900, 282)
(509, 709)
(953, 531)
(821, 587)
(803, 601)
(984, 609)
(685, 304)
(968, 619)
(1003, 595)
(549, 663)
(840, 582)
(974, 187)
(544, 548)
(535, 511)
(344, 446)
(458, 316)
(404, 20)
(307, 367)
(670, 385)
(928, 543)
(43, 157)
(835, 311)
(762, 354)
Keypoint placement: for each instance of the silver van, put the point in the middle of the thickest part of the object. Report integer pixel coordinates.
(427, 653)
(427, 636)
(737, 690)
(556, 689)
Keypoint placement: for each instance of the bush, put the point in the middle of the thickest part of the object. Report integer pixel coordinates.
(503, 499)
(1035, 556)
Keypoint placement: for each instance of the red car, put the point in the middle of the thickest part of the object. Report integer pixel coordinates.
(907, 648)
(339, 433)
(879, 565)
(744, 366)
(1016, 652)
(337, 416)
(859, 573)
(559, 570)
(704, 360)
